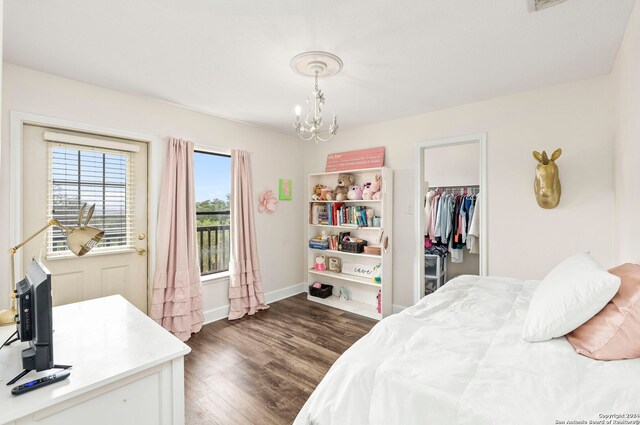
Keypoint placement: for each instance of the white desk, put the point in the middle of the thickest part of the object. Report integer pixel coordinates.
(126, 370)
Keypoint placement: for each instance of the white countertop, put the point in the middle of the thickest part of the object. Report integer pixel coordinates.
(104, 339)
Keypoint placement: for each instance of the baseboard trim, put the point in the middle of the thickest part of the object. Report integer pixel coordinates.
(222, 312)
(216, 314)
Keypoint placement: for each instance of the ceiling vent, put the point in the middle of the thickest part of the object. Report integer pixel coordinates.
(537, 5)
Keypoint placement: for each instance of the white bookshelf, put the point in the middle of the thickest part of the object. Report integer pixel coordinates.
(363, 290)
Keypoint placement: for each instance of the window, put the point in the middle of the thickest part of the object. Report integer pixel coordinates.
(78, 175)
(213, 192)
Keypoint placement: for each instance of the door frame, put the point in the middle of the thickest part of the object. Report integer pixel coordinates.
(480, 138)
(18, 119)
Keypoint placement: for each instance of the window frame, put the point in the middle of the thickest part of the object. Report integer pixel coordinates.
(129, 189)
(219, 277)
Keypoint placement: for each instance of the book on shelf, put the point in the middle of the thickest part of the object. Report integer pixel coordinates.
(352, 216)
(339, 214)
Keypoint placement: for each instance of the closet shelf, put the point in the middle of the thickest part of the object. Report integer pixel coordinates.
(348, 278)
(333, 251)
(352, 306)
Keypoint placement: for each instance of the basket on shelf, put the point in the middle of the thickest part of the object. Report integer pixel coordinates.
(373, 250)
(324, 291)
(355, 247)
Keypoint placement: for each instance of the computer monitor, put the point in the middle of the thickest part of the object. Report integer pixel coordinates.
(35, 323)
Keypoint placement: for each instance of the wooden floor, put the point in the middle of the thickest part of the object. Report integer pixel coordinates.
(261, 369)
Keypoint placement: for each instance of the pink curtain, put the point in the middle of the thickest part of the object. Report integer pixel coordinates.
(176, 302)
(245, 287)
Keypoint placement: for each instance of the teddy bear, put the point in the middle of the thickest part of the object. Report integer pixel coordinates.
(355, 193)
(344, 181)
(317, 192)
(376, 186)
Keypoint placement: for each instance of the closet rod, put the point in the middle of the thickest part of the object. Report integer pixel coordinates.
(455, 187)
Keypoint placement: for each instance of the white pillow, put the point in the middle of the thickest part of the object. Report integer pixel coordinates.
(572, 293)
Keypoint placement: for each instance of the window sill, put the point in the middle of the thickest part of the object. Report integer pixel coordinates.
(215, 278)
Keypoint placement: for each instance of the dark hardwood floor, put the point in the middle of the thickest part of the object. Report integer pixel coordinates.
(261, 369)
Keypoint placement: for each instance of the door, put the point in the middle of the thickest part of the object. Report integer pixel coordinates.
(61, 171)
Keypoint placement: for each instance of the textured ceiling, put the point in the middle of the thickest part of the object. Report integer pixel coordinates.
(231, 58)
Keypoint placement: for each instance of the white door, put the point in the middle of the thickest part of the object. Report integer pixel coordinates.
(61, 171)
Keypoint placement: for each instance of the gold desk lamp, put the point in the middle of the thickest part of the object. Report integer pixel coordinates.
(80, 240)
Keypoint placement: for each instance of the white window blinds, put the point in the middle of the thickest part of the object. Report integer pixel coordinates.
(83, 174)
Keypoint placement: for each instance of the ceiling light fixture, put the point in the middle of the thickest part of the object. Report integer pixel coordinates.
(317, 65)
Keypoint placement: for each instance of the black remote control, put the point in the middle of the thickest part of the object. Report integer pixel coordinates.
(38, 383)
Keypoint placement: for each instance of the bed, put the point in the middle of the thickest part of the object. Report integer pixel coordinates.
(457, 357)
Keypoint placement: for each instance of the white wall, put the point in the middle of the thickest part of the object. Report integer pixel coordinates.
(626, 82)
(526, 241)
(457, 165)
(273, 155)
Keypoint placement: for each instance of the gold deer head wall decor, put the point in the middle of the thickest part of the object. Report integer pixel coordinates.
(547, 182)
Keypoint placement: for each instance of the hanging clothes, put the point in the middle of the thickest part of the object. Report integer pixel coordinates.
(428, 200)
(474, 229)
(448, 221)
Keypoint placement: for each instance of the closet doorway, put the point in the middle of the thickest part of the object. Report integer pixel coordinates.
(451, 211)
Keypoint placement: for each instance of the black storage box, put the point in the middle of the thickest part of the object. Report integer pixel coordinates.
(355, 247)
(324, 291)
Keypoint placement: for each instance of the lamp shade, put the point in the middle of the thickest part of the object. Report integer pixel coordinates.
(82, 239)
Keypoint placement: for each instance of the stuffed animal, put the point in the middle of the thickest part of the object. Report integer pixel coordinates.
(320, 263)
(367, 193)
(376, 186)
(327, 194)
(345, 294)
(344, 181)
(355, 193)
(317, 192)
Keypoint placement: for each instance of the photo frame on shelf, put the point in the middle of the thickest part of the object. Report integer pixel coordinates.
(334, 264)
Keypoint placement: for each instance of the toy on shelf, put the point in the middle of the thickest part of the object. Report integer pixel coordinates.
(317, 192)
(376, 188)
(355, 193)
(327, 194)
(321, 264)
(344, 181)
(367, 193)
(345, 294)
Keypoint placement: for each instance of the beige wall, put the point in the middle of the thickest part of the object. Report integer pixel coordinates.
(274, 155)
(626, 81)
(525, 240)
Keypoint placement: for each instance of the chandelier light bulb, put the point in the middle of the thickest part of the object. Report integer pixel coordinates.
(298, 110)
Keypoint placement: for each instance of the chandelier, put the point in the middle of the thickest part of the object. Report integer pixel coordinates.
(316, 65)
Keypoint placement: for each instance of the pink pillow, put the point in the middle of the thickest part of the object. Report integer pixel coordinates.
(614, 333)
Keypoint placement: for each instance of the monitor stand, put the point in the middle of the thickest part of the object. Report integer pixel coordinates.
(24, 372)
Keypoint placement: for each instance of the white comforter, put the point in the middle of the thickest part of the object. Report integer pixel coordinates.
(457, 357)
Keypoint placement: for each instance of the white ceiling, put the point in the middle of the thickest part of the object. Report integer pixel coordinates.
(231, 58)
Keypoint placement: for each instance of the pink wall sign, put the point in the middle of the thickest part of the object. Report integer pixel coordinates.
(355, 160)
